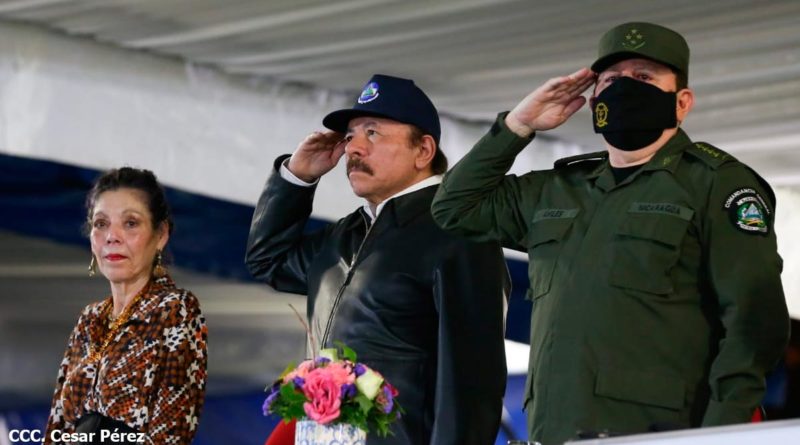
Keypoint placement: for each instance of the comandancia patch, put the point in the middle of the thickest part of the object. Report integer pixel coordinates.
(748, 211)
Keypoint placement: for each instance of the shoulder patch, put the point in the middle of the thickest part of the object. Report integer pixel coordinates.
(710, 155)
(748, 211)
(596, 156)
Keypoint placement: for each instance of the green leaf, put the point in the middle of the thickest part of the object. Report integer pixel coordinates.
(382, 428)
(286, 371)
(290, 403)
(364, 403)
(347, 353)
(290, 394)
(380, 422)
(352, 414)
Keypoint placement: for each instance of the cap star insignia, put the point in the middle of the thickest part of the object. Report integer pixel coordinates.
(633, 39)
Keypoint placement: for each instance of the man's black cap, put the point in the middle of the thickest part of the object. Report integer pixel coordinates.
(391, 98)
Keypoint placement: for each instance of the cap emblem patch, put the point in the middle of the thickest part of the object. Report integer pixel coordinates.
(633, 39)
(369, 93)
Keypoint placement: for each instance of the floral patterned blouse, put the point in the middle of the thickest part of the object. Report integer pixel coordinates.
(151, 376)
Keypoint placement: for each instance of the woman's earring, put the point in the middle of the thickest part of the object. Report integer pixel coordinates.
(159, 271)
(92, 267)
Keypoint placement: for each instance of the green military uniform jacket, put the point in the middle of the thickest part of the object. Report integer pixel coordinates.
(657, 302)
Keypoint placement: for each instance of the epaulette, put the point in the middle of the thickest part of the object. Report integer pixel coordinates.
(714, 157)
(710, 155)
(596, 156)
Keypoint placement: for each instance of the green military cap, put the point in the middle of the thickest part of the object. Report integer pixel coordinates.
(646, 40)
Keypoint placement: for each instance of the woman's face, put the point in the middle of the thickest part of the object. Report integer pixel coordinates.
(123, 239)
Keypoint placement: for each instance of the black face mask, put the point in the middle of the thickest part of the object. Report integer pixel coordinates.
(632, 114)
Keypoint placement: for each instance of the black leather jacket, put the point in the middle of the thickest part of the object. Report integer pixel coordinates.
(423, 307)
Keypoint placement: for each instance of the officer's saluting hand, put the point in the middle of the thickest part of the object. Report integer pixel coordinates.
(551, 104)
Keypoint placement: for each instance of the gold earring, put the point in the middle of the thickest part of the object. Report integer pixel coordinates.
(159, 271)
(92, 267)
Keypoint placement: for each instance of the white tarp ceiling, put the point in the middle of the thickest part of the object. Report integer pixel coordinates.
(476, 57)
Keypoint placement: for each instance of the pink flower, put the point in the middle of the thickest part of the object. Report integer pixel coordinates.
(323, 392)
(302, 371)
(341, 372)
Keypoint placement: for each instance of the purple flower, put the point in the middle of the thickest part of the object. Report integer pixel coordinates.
(321, 361)
(359, 369)
(387, 392)
(298, 382)
(349, 390)
(273, 394)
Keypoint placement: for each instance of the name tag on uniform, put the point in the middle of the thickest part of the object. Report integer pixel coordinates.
(554, 214)
(663, 208)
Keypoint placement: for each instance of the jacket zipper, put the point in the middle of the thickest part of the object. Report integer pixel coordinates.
(347, 279)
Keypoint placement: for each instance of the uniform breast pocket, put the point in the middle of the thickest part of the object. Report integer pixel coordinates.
(646, 249)
(544, 243)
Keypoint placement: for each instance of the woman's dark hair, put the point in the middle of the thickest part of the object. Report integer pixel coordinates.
(133, 178)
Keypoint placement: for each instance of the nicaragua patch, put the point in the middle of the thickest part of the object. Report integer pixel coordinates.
(664, 208)
(748, 211)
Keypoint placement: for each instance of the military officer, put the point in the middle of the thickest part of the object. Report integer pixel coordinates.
(655, 277)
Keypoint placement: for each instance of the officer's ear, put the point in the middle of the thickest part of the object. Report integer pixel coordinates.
(684, 103)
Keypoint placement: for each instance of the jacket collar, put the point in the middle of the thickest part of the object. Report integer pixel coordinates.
(407, 207)
(146, 307)
(666, 158)
(151, 299)
(431, 180)
(400, 210)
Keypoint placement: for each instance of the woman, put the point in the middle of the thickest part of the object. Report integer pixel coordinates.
(136, 361)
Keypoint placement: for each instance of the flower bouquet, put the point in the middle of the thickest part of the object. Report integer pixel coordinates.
(333, 397)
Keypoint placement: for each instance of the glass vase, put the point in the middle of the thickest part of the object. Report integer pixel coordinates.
(308, 432)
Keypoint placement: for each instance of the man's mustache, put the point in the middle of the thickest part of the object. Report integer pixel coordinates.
(356, 164)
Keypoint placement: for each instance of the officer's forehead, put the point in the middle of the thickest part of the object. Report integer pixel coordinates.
(637, 63)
